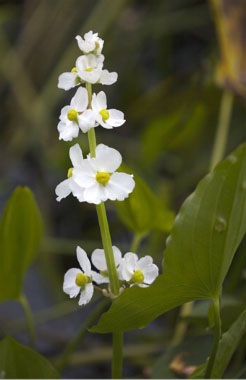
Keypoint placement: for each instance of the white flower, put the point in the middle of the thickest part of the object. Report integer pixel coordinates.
(141, 272)
(98, 177)
(99, 261)
(75, 115)
(106, 118)
(89, 67)
(68, 80)
(107, 77)
(91, 43)
(79, 281)
(69, 185)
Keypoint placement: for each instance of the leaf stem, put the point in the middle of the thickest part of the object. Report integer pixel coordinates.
(29, 319)
(137, 238)
(76, 340)
(217, 335)
(222, 128)
(117, 355)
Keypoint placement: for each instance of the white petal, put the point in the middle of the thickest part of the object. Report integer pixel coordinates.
(99, 101)
(80, 100)
(86, 294)
(117, 256)
(76, 155)
(130, 260)
(63, 189)
(150, 273)
(116, 118)
(98, 259)
(87, 120)
(67, 131)
(108, 159)
(66, 81)
(99, 279)
(63, 115)
(77, 191)
(83, 260)
(108, 78)
(95, 194)
(69, 285)
(144, 262)
(120, 185)
(85, 175)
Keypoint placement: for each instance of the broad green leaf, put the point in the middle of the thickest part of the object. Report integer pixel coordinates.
(20, 234)
(205, 236)
(143, 211)
(228, 345)
(20, 362)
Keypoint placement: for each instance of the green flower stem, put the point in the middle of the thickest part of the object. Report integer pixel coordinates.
(29, 319)
(137, 238)
(217, 335)
(76, 340)
(117, 355)
(222, 128)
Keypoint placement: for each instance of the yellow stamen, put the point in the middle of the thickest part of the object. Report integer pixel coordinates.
(102, 178)
(74, 70)
(89, 70)
(72, 115)
(81, 280)
(70, 173)
(138, 276)
(104, 114)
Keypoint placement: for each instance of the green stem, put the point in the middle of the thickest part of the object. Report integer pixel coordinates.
(222, 128)
(29, 319)
(217, 335)
(181, 327)
(76, 340)
(117, 355)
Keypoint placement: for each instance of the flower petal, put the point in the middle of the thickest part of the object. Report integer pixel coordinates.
(87, 120)
(144, 262)
(108, 78)
(67, 131)
(85, 174)
(117, 256)
(86, 294)
(77, 191)
(83, 260)
(95, 194)
(99, 101)
(108, 159)
(69, 284)
(66, 81)
(80, 100)
(98, 259)
(75, 154)
(63, 189)
(99, 279)
(116, 118)
(120, 185)
(150, 273)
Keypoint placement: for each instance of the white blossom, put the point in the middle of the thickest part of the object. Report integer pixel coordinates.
(91, 43)
(76, 116)
(107, 118)
(68, 80)
(99, 261)
(89, 67)
(99, 178)
(69, 186)
(141, 272)
(79, 280)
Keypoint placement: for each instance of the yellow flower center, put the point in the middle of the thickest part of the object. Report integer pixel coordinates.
(138, 276)
(81, 280)
(102, 178)
(70, 173)
(72, 115)
(89, 70)
(104, 114)
(74, 70)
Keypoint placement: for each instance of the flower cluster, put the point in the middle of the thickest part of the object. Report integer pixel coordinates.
(131, 271)
(94, 178)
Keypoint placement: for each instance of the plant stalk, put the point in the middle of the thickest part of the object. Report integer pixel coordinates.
(117, 355)
(222, 128)
(29, 319)
(217, 335)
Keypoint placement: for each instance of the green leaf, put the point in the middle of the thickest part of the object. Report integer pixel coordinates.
(143, 211)
(206, 234)
(20, 234)
(20, 362)
(228, 345)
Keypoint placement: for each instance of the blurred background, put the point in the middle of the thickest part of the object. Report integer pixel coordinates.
(175, 59)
